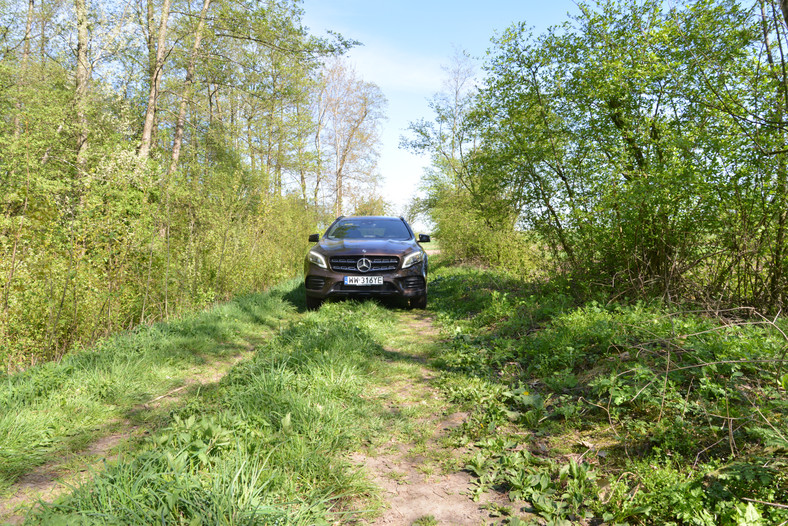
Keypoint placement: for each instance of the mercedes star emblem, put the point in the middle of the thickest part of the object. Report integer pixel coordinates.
(364, 265)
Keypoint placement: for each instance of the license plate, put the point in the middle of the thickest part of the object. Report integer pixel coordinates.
(363, 281)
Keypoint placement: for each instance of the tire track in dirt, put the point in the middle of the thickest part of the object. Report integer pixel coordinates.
(53, 479)
(418, 480)
(421, 481)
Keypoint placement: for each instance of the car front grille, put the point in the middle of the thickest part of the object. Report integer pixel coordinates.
(379, 263)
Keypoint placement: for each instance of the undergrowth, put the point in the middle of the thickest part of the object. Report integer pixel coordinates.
(52, 410)
(583, 411)
(267, 444)
(589, 412)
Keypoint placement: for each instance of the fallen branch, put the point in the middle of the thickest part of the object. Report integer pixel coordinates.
(167, 394)
(773, 504)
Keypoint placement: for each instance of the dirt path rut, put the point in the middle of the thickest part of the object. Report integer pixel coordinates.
(419, 474)
(422, 480)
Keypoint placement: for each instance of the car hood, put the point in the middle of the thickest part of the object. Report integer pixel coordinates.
(342, 247)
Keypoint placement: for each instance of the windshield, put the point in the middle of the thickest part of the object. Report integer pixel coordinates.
(384, 228)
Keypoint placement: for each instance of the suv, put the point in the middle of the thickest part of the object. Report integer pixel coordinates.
(364, 257)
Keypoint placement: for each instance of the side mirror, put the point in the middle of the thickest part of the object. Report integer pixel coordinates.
(314, 238)
(424, 238)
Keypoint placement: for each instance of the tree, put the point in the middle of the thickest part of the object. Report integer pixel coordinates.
(457, 193)
(637, 147)
(186, 97)
(97, 232)
(448, 138)
(82, 77)
(156, 71)
(350, 111)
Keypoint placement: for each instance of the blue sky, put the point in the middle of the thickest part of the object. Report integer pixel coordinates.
(405, 43)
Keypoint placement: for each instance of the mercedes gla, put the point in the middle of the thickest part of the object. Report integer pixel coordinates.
(361, 257)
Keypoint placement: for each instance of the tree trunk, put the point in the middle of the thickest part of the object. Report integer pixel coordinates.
(779, 201)
(340, 183)
(187, 90)
(17, 135)
(82, 77)
(28, 31)
(42, 39)
(301, 155)
(346, 148)
(322, 107)
(155, 80)
(150, 40)
(23, 69)
(250, 137)
(12, 270)
(776, 288)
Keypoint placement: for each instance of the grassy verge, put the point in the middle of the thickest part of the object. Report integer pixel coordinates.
(54, 410)
(267, 444)
(583, 412)
(626, 414)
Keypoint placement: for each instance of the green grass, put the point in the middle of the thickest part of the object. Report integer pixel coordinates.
(427, 520)
(631, 414)
(54, 409)
(580, 410)
(268, 444)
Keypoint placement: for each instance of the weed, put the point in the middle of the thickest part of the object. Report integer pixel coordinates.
(427, 520)
(496, 510)
(267, 444)
(692, 410)
(55, 408)
(397, 476)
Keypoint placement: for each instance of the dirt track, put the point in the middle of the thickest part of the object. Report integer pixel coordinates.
(420, 480)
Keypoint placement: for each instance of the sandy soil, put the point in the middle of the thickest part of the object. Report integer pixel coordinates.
(413, 484)
(411, 494)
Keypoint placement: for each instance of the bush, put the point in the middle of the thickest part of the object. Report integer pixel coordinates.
(468, 236)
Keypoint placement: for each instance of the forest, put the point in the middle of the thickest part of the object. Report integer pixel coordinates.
(639, 147)
(155, 158)
(159, 156)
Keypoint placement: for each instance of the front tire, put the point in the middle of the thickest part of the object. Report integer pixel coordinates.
(418, 302)
(313, 303)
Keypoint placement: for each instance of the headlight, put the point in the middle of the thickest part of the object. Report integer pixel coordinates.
(316, 258)
(413, 258)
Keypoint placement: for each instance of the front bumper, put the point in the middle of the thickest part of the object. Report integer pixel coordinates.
(325, 283)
